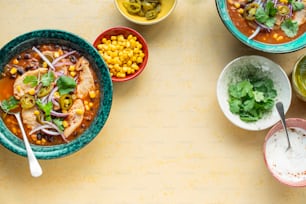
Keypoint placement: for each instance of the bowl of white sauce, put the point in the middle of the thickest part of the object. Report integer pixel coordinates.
(287, 166)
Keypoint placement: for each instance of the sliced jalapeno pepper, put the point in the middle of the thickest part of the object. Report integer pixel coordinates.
(250, 11)
(45, 90)
(132, 8)
(66, 101)
(283, 10)
(27, 101)
(151, 14)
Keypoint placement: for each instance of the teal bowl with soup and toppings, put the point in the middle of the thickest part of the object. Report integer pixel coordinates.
(61, 86)
(256, 26)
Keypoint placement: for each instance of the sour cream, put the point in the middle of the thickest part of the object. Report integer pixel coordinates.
(288, 166)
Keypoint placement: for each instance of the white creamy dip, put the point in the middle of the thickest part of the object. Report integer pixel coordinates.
(287, 165)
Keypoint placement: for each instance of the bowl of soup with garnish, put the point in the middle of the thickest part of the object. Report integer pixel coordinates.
(62, 89)
(270, 26)
(287, 165)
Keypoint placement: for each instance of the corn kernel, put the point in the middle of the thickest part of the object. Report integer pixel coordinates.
(56, 94)
(85, 102)
(237, 4)
(87, 107)
(32, 91)
(56, 54)
(280, 38)
(71, 68)
(79, 111)
(275, 35)
(34, 137)
(65, 123)
(90, 104)
(38, 142)
(13, 70)
(43, 141)
(18, 88)
(73, 74)
(92, 94)
(15, 61)
(241, 10)
(36, 112)
(45, 65)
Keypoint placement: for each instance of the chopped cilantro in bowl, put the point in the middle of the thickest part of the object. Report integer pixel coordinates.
(247, 90)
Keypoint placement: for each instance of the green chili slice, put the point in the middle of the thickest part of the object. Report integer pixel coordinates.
(132, 8)
(66, 101)
(45, 90)
(27, 101)
(250, 11)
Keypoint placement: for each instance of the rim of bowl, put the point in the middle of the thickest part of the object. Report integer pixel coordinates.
(15, 144)
(224, 109)
(293, 81)
(117, 30)
(278, 126)
(292, 46)
(151, 22)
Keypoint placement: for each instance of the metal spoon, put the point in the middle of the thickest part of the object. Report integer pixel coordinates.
(280, 109)
(35, 167)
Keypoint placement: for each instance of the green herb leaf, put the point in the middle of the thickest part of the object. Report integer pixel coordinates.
(297, 6)
(290, 27)
(261, 16)
(270, 9)
(31, 80)
(59, 123)
(47, 79)
(251, 98)
(65, 84)
(46, 108)
(9, 104)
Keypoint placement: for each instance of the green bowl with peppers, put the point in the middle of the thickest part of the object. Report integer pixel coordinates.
(39, 37)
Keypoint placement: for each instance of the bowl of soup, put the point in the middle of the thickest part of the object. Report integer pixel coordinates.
(268, 26)
(62, 89)
(287, 165)
(145, 12)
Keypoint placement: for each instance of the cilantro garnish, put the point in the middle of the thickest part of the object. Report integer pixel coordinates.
(59, 123)
(31, 80)
(46, 108)
(290, 27)
(65, 84)
(251, 99)
(10, 104)
(47, 79)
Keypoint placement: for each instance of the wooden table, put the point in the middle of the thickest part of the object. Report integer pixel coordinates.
(166, 140)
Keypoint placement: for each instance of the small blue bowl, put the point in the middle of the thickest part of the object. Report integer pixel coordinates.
(291, 46)
(27, 41)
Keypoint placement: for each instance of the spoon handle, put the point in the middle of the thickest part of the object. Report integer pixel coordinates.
(35, 167)
(280, 109)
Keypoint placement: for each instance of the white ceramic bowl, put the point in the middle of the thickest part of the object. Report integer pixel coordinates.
(232, 72)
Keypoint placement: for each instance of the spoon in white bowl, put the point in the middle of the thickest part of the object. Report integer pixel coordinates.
(280, 109)
(35, 167)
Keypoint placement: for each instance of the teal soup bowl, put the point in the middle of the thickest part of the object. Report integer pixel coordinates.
(102, 96)
(263, 29)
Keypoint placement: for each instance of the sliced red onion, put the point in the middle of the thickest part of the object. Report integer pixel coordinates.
(50, 132)
(62, 57)
(51, 95)
(44, 58)
(255, 33)
(60, 64)
(39, 128)
(57, 114)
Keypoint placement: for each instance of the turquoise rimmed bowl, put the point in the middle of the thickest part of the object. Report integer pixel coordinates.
(291, 46)
(28, 40)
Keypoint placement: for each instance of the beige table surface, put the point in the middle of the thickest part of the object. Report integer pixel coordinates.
(166, 140)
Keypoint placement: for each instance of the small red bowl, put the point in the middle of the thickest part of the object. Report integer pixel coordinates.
(125, 31)
(291, 123)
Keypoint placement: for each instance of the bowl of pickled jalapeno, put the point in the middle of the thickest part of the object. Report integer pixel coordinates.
(145, 12)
